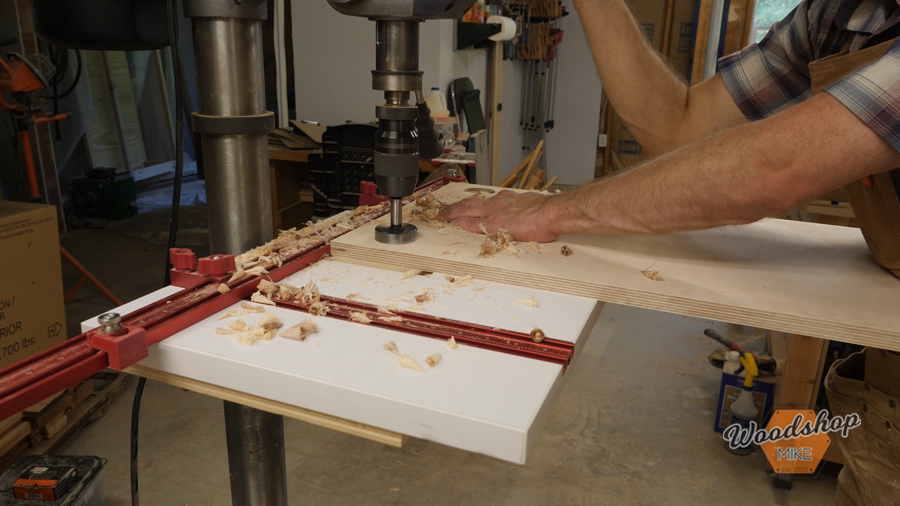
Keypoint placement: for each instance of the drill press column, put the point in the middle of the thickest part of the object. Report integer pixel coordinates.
(397, 74)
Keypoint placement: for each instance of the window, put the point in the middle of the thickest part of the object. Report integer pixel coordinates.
(769, 12)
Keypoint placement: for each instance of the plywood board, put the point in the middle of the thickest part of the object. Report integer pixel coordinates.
(477, 400)
(802, 278)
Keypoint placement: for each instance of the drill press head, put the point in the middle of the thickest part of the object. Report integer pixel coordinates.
(397, 74)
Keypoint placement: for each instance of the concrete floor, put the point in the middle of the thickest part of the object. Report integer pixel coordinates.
(632, 426)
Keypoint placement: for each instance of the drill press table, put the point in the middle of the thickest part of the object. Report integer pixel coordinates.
(475, 399)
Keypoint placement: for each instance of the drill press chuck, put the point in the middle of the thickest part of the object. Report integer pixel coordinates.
(397, 232)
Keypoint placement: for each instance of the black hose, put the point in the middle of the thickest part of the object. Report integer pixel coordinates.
(72, 86)
(174, 34)
(135, 418)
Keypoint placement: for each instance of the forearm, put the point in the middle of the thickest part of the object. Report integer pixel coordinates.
(645, 92)
(656, 104)
(735, 177)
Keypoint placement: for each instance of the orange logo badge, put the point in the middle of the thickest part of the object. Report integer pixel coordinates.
(796, 440)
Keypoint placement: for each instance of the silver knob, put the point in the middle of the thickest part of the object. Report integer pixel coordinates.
(110, 322)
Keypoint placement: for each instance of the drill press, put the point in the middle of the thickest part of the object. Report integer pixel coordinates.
(405, 131)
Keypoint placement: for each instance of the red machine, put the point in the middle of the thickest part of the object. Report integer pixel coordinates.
(20, 77)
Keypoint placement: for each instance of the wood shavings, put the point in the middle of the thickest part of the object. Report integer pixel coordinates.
(407, 362)
(356, 296)
(537, 335)
(386, 310)
(497, 241)
(299, 331)
(449, 289)
(309, 294)
(426, 296)
(240, 311)
(267, 287)
(245, 338)
(566, 250)
(256, 271)
(408, 274)
(360, 317)
(318, 309)
(391, 347)
(391, 318)
(223, 288)
(464, 281)
(433, 360)
(267, 318)
(261, 299)
(652, 275)
(238, 325)
(238, 274)
(220, 331)
(425, 209)
(449, 278)
(272, 326)
(416, 308)
(251, 308)
(535, 247)
(532, 302)
(231, 313)
(451, 343)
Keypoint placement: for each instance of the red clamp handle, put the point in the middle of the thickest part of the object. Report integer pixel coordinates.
(182, 258)
(216, 265)
(368, 188)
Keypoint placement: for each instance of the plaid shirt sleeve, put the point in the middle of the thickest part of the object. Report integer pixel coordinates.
(772, 75)
(873, 94)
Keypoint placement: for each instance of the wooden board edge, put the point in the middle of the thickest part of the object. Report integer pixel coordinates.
(376, 434)
(784, 322)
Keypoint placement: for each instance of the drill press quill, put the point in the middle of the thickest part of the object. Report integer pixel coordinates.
(405, 131)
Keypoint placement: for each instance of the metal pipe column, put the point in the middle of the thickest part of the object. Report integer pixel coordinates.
(255, 456)
(233, 123)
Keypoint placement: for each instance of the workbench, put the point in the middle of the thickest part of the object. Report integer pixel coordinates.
(802, 278)
(342, 378)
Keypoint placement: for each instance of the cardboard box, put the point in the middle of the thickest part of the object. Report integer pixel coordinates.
(682, 34)
(32, 313)
(651, 14)
(626, 151)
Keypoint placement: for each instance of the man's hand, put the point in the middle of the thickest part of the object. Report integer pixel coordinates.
(526, 215)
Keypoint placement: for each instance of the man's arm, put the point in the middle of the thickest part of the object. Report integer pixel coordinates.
(738, 176)
(656, 104)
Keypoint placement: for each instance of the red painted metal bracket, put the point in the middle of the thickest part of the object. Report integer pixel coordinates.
(124, 348)
(505, 341)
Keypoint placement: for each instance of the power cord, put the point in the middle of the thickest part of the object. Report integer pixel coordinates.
(174, 34)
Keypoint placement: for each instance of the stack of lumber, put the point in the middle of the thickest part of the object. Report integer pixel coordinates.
(40, 427)
(527, 176)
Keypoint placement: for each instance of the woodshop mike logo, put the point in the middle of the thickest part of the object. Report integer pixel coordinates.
(794, 441)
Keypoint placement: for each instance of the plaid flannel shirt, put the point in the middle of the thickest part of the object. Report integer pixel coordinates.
(773, 75)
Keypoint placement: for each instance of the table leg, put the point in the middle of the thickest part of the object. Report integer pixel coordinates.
(255, 456)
